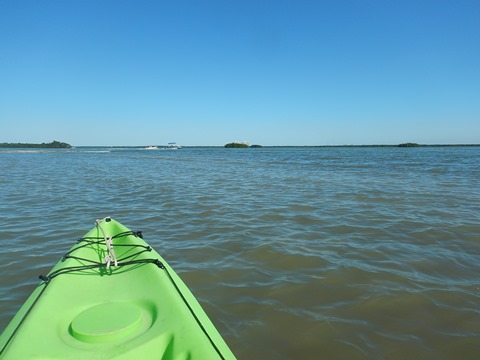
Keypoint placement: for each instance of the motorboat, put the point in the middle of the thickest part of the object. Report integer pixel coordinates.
(172, 146)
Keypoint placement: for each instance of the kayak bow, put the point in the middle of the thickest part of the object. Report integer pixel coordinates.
(112, 297)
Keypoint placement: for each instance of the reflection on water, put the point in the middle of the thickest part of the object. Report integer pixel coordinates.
(294, 253)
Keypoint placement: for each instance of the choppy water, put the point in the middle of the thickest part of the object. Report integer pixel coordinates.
(335, 253)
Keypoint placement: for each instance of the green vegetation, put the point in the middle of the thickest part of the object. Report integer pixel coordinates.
(236, 145)
(242, 145)
(53, 145)
(408, 145)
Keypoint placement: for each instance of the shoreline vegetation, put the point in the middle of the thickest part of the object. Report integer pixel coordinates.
(53, 145)
(407, 145)
(241, 145)
(62, 145)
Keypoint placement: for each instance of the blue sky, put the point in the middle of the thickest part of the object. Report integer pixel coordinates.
(326, 72)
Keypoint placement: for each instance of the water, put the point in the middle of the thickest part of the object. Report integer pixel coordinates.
(335, 253)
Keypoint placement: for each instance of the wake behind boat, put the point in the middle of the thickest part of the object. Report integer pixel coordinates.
(112, 296)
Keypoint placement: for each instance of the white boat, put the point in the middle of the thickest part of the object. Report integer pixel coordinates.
(172, 146)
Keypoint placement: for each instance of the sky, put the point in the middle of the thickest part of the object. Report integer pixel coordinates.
(325, 72)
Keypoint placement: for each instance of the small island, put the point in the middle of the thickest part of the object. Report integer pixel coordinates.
(53, 145)
(237, 145)
(241, 145)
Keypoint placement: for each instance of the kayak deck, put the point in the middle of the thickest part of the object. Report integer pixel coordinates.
(112, 297)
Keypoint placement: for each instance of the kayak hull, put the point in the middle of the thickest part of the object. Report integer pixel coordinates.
(87, 307)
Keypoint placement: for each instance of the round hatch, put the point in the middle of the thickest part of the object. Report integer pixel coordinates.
(107, 322)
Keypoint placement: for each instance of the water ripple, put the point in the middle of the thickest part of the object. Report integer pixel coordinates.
(351, 253)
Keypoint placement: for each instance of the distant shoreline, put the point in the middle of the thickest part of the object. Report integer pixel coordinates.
(355, 146)
(318, 146)
(59, 145)
(53, 145)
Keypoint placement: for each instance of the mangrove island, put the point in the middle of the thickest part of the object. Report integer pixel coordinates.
(53, 145)
(241, 145)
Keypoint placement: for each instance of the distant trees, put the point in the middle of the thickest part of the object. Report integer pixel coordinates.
(236, 145)
(53, 145)
(240, 145)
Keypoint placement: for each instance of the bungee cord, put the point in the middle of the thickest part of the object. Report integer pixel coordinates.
(119, 263)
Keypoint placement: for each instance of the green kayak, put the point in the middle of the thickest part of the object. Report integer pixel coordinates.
(112, 297)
